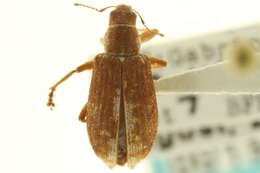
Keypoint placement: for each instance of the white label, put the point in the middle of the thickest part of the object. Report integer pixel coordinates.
(205, 133)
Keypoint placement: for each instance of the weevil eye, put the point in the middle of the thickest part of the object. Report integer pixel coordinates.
(123, 14)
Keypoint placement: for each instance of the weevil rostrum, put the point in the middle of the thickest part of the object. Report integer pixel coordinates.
(121, 111)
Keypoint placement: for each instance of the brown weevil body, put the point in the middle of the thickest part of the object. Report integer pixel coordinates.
(121, 112)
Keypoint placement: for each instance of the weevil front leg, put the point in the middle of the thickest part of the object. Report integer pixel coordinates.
(148, 34)
(86, 66)
(157, 63)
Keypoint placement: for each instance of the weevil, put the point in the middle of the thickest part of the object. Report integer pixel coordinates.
(121, 112)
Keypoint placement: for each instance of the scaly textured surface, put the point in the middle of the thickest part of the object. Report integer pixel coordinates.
(140, 108)
(116, 78)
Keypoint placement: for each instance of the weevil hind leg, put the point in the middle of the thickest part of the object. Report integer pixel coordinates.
(86, 66)
(146, 35)
(83, 114)
(157, 63)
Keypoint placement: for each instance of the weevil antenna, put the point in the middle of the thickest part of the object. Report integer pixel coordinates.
(142, 20)
(98, 10)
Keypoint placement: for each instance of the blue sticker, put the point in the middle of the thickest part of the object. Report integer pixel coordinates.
(160, 166)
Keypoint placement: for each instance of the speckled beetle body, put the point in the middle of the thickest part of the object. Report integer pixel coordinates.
(121, 111)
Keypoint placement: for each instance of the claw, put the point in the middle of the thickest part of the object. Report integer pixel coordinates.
(51, 105)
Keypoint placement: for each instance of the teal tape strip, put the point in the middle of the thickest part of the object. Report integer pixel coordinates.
(160, 166)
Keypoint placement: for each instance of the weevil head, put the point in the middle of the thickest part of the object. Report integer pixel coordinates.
(122, 37)
(123, 14)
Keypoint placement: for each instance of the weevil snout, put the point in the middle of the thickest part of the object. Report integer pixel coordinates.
(123, 14)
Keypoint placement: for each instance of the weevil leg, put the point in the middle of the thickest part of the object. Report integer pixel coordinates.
(83, 114)
(147, 35)
(86, 66)
(157, 63)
